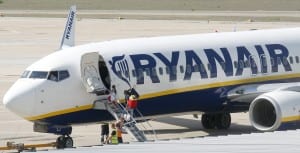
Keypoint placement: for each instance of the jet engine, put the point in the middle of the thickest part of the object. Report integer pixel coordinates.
(271, 111)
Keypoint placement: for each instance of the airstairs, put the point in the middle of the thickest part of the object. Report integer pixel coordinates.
(95, 84)
(117, 110)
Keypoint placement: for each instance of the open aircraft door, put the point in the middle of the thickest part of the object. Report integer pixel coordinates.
(90, 73)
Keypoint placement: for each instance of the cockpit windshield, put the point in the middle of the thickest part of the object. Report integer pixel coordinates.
(25, 74)
(38, 75)
(52, 75)
(58, 75)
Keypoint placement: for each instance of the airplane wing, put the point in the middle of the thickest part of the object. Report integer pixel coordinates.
(271, 106)
(247, 93)
(69, 33)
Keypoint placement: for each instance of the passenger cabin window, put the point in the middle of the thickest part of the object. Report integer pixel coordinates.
(181, 69)
(278, 60)
(147, 71)
(285, 61)
(160, 71)
(297, 59)
(168, 70)
(188, 68)
(272, 62)
(291, 60)
(38, 75)
(235, 64)
(196, 68)
(133, 73)
(25, 74)
(153, 71)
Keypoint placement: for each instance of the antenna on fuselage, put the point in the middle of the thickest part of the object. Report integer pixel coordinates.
(69, 33)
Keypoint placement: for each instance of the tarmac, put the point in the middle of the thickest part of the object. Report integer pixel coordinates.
(24, 40)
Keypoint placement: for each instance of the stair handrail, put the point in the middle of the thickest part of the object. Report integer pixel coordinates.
(152, 129)
(140, 115)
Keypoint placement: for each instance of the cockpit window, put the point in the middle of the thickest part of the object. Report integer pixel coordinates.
(58, 75)
(25, 74)
(53, 76)
(38, 74)
(63, 75)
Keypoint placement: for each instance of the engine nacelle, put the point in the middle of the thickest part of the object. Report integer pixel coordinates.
(272, 110)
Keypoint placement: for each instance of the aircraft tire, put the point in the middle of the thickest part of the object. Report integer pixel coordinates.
(60, 142)
(68, 142)
(208, 121)
(64, 142)
(223, 121)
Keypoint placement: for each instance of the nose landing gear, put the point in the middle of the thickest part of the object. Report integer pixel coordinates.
(64, 141)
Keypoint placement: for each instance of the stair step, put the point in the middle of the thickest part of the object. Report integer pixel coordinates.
(118, 111)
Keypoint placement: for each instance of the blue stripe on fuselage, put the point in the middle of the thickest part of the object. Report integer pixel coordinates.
(205, 100)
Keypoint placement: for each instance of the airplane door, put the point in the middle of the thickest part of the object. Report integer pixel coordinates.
(90, 73)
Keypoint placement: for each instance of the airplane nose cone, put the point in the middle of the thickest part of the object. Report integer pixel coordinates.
(19, 99)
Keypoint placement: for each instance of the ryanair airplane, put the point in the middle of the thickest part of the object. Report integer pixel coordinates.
(213, 74)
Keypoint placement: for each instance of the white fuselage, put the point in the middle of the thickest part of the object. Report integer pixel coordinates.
(161, 67)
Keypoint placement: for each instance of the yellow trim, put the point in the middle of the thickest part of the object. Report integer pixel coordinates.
(174, 91)
(219, 84)
(65, 111)
(290, 118)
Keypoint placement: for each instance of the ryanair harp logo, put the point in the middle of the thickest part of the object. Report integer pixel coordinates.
(119, 66)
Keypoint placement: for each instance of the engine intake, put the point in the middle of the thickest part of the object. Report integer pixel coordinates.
(269, 111)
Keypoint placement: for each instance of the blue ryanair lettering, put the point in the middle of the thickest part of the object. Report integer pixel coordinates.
(279, 53)
(171, 64)
(143, 63)
(70, 23)
(192, 57)
(225, 64)
(246, 58)
(243, 53)
(262, 57)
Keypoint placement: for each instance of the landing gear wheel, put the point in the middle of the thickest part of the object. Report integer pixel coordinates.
(68, 142)
(64, 142)
(60, 142)
(223, 121)
(208, 121)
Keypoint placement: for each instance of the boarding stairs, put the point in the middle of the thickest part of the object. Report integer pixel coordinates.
(117, 110)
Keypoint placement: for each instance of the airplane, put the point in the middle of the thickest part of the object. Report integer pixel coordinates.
(214, 74)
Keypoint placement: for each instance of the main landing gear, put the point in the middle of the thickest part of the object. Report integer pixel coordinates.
(64, 141)
(219, 121)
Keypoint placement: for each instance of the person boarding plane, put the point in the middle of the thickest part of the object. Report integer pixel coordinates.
(221, 73)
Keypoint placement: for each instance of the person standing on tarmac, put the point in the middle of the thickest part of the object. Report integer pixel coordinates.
(119, 126)
(104, 132)
(113, 138)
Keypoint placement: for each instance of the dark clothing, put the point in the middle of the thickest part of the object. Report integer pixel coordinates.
(104, 132)
(104, 129)
(120, 139)
(132, 91)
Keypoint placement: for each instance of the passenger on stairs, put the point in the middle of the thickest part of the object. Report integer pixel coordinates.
(113, 95)
(131, 104)
(127, 95)
(132, 91)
